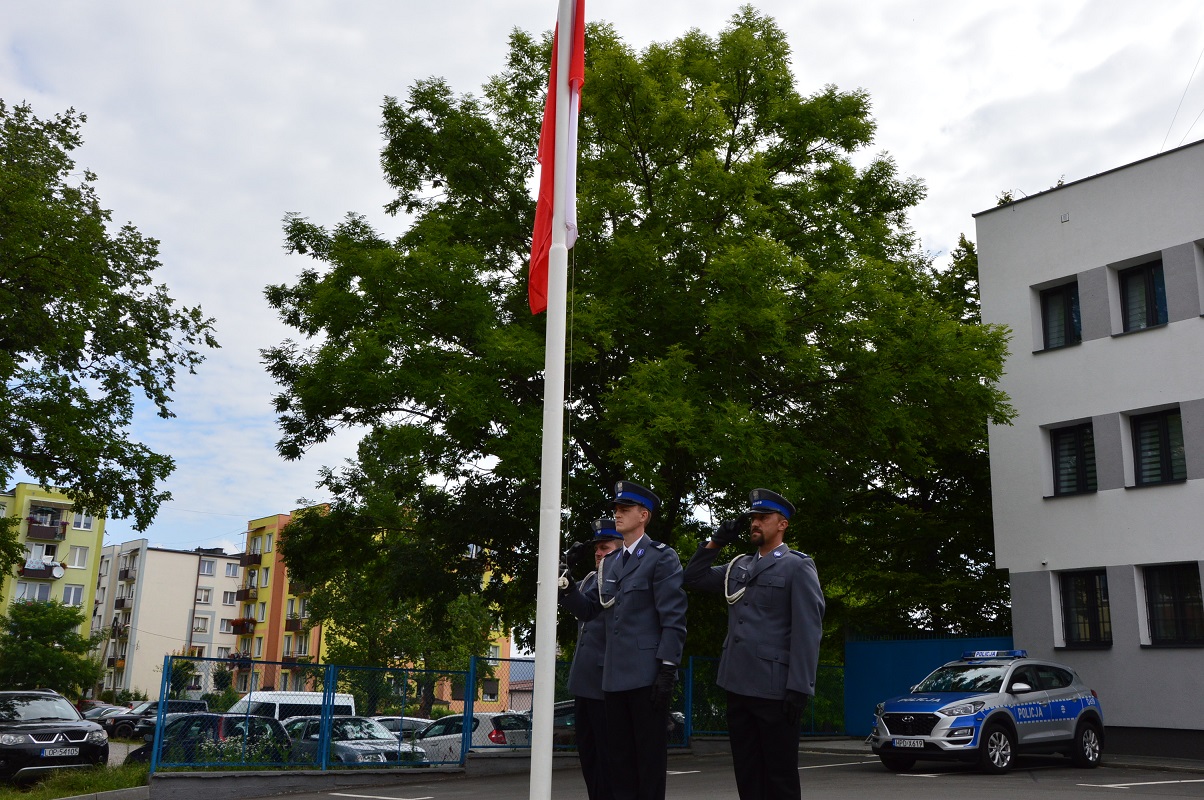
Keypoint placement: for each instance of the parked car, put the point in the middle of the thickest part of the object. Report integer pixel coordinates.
(564, 725)
(284, 705)
(403, 727)
(40, 731)
(124, 726)
(987, 707)
(96, 712)
(204, 738)
(442, 739)
(353, 740)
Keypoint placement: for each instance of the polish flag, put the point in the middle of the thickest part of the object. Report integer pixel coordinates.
(550, 161)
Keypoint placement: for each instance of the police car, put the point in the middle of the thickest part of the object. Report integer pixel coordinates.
(986, 707)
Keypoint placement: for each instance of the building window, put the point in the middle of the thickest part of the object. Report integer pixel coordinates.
(258, 646)
(489, 690)
(302, 645)
(207, 567)
(1060, 320)
(1142, 296)
(243, 680)
(231, 569)
(1073, 459)
(223, 652)
(204, 596)
(36, 592)
(73, 594)
(284, 681)
(288, 645)
(1086, 617)
(1158, 455)
(77, 557)
(267, 573)
(227, 626)
(1174, 604)
(263, 612)
(82, 522)
(229, 598)
(267, 543)
(200, 625)
(104, 568)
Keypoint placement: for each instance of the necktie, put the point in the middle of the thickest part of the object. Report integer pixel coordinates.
(626, 555)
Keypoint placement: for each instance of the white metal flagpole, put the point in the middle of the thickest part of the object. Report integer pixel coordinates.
(553, 434)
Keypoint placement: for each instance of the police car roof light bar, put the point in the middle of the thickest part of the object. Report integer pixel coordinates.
(975, 655)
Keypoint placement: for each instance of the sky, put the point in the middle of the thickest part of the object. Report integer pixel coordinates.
(208, 121)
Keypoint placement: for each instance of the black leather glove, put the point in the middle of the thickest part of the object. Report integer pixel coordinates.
(577, 555)
(731, 529)
(565, 582)
(662, 686)
(794, 704)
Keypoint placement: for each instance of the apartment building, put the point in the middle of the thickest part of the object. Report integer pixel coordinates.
(62, 549)
(275, 642)
(1098, 483)
(154, 601)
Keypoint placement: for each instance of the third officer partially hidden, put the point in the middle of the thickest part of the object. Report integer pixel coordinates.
(770, 656)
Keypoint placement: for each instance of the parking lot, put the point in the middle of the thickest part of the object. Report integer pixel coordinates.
(831, 776)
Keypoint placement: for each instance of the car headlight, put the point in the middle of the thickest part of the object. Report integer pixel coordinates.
(964, 709)
(12, 738)
(98, 737)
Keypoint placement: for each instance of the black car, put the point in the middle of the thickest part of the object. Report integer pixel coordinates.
(205, 738)
(41, 731)
(140, 719)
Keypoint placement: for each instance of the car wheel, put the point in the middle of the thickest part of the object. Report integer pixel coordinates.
(1088, 745)
(897, 763)
(123, 730)
(997, 752)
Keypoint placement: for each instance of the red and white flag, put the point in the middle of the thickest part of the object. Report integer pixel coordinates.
(550, 162)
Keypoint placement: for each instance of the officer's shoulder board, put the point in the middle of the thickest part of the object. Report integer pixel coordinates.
(800, 554)
(659, 545)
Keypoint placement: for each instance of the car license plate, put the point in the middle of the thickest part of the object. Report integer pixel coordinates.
(918, 743)
(51, 752)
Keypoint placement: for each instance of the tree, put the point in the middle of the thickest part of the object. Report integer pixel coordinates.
(83, 328)
(40, 647)
(749, 308)
(183, 672)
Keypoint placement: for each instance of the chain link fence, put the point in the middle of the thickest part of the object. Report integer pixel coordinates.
(245, 713)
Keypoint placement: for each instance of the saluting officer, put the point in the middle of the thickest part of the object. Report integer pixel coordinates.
(640, 599)
(585, 675)
(770, 656)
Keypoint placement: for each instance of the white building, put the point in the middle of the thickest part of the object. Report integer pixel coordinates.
(153, 602)
(1097, 484)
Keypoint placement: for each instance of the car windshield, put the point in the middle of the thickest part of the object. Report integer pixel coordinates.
(358, 729)
(140, 708)
(981, 678)
(31, 707)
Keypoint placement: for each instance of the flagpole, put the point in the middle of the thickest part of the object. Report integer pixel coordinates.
(553, 435)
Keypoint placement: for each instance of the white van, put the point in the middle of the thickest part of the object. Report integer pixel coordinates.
(282, 705)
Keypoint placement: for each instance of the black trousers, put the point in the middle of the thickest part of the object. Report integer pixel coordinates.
(637, 741)
(590, 725)
(764, 740)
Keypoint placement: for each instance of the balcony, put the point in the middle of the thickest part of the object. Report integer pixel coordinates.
(116, 662)
(250, 559)
(298, 587)
(240, 660)
(121, 631)
(123, 602)
(243, 627)
(127, 574)
(47, 572)
(53, 532)
(247, 593)
(293, 624)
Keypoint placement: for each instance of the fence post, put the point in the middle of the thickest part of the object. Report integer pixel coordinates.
(470, 694)
(328, 687)
(164, 686)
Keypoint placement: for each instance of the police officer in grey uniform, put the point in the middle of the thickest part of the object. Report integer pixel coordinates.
(639, 597)
(771, 653)
(585, 675)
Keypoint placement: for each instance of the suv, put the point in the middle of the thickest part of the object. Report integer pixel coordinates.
(41, 731)
(140, 719)
(986, 707)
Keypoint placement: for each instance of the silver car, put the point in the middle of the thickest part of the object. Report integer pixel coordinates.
(986, 707)
(353, 740)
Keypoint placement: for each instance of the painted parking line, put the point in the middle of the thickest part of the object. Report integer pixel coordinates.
(1143, 783)
(683, 772)
(378, 796)
(845, 764)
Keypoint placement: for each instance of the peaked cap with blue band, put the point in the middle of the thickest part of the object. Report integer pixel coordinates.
(604, 529)
(763, 501)
(632, 494)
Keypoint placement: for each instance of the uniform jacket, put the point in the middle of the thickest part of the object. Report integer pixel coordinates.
(585, 675)
(647, 623)
(774, 629)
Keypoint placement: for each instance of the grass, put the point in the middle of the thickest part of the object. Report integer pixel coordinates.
(69, 783)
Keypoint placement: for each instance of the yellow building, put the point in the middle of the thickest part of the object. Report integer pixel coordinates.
(274, 645)
(62, 550)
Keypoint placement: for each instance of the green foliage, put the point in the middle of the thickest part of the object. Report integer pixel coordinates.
(84, 782)
(182, 673)
(223, 678)
(83, 328)
(749, 308)
(221, 700)
(40, 647)
(124, 697)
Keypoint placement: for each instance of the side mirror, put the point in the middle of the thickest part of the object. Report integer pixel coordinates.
(1021, 688)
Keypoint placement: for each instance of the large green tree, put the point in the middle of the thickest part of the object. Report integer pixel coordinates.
(84, 330)
(41, 647)
(749, 307)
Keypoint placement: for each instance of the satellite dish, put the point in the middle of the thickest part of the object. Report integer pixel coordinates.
(56, 571)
